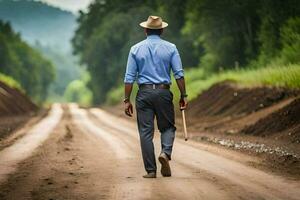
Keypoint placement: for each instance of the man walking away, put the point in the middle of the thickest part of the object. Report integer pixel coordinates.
(150, 62)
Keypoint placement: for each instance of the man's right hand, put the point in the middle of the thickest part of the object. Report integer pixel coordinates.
(183, 102)
(128, 109)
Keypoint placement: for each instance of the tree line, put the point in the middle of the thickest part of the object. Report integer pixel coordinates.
(25, 64)
(214, 35)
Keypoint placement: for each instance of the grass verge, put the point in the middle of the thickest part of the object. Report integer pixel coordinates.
(10, 82)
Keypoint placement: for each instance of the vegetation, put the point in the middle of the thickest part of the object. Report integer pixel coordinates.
(10, 82)
(24, 64)
(215, 36)
(278, 76)
(67, 70)
(78, 92)
(49, 30)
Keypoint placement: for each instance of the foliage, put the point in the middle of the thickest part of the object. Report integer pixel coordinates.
(10, 82)
(273, 16)
(278, 76)
(66, 67)
(226, 30)
(238, 31)
(78, 92)
(24, 64)
(290, 41)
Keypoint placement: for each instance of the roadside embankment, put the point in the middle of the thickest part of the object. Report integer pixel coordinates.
(259, 120)
(15, 109)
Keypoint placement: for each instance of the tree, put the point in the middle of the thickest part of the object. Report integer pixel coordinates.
(274, 14)
(78, 92)
(225, 29)
(290, 41)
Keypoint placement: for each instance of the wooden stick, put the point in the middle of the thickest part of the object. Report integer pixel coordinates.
(184, 126)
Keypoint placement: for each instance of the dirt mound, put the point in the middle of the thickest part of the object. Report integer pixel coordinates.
(13, 102)
(285, 119)
(263, 121)
(226, 99)
(260, 111)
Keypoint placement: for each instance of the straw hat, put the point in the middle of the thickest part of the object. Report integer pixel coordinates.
(154, 22)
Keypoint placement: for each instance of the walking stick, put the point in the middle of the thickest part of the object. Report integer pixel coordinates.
(184, 126)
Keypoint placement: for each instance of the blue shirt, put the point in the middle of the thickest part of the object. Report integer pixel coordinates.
(151, 61)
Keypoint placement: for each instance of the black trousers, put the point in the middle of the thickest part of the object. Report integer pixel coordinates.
(151, 103)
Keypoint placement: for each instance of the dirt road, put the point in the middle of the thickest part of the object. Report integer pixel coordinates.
(75, 153)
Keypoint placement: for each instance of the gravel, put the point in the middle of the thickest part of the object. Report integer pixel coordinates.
(245, 145)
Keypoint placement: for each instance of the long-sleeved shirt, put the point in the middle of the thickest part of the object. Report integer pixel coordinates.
(151, 61)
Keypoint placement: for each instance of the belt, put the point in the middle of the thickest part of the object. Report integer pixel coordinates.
(154, 86)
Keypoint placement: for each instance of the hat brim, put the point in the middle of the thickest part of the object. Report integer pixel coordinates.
(163, 25)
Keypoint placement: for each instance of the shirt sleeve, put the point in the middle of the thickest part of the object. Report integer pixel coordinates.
(176, 65)
(131, 69)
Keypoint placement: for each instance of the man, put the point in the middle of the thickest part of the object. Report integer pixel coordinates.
(150, 62)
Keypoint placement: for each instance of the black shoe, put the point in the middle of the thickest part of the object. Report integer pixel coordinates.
(165, 167)
(150, 175)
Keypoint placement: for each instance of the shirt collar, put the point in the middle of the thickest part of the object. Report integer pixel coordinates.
(153, 37)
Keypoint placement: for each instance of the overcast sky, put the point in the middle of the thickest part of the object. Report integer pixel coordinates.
(71, 5)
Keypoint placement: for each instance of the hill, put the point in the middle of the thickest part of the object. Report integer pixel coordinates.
(37, 21)
(49, 30)
(24, 64)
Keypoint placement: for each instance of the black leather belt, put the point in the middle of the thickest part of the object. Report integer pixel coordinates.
(154, 86)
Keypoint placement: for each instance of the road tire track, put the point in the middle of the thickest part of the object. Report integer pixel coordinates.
(25, 146)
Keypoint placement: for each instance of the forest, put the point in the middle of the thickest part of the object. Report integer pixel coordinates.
(24, 64)
(48, 29)
(213, 37)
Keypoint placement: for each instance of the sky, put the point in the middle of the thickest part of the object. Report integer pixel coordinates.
(70, 5)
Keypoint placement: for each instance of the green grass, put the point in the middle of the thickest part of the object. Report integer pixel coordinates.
(10, 82)
(276, 76)
(279, 76)
(197, 80)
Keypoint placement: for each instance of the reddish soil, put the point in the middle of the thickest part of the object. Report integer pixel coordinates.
(15, 109)
(226, 99)
(14, 102)
(261, 111)
(287, 119)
